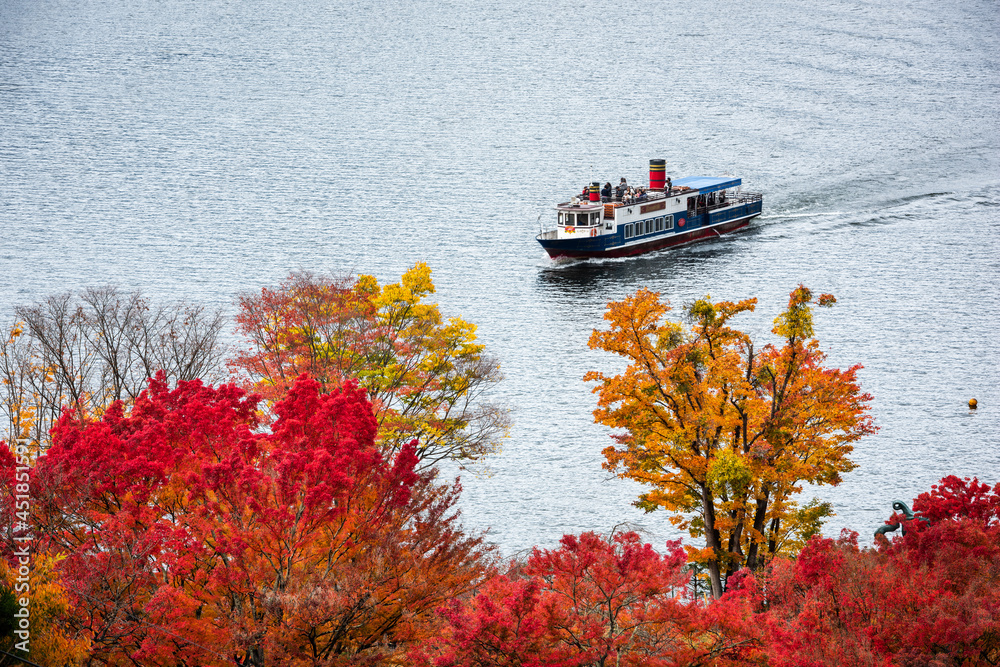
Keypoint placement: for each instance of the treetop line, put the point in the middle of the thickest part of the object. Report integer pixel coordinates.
(294, 515)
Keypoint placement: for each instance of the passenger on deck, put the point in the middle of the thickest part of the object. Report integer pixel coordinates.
(606, 192)
(586, 192)
(619, 192)
(670, 186)
(642, 194)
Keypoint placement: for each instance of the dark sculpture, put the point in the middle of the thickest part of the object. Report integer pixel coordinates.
(899, 506)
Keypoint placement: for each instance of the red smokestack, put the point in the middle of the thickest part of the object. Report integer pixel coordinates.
(657, 172)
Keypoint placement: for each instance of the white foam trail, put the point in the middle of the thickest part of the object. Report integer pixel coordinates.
(776, 216)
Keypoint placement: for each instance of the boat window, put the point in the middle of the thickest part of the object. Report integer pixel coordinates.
(628, 231)
(668, 222)
(560, 220)
(594, 219)
(649, 226)
(582, 219)
(659, 224)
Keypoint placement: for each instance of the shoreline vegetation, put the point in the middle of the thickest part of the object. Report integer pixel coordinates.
(171, 502)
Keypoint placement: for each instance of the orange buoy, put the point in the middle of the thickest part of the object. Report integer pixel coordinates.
(973, 404)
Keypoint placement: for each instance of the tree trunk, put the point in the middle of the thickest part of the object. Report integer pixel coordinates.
(735, 551)
(772, 544)
(760, 515)
(711, 541)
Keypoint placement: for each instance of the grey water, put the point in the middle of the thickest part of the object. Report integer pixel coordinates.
(198, 149)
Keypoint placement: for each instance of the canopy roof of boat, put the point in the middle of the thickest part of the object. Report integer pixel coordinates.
(707, 183)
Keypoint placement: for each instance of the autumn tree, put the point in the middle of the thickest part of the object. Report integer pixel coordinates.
(931, 597)
(592, 601)
(725, 432)
(960, 498)
(86, 350)
(193, 534)
(48, 640)
(426, 376)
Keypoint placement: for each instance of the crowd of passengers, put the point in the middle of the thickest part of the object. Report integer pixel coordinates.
(624, 192)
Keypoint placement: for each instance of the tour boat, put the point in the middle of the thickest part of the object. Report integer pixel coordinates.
(691, 209)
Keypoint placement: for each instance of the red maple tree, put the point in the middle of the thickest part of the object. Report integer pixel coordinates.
(194, 536)
(592, 602)
(931, 597)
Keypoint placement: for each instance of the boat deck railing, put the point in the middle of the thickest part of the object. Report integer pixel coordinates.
(651, 195)
(731, 200)
(612, 204)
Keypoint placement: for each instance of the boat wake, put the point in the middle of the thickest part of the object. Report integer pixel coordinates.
(818, 214)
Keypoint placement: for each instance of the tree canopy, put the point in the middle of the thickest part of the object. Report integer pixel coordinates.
(725, 432)
(592, 601)
(427, 377)
(186, 524)
(190, 535)
(88, 349)
(931, 597)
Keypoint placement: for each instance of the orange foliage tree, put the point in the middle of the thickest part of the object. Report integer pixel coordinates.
(426, 376)
(46, 640)
(724, 432)
(189, 534)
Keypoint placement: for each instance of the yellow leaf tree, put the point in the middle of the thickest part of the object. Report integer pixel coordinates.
(723, 433)
(427, 377)
(48, 640)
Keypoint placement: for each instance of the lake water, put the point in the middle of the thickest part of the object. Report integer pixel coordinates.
(197, 149)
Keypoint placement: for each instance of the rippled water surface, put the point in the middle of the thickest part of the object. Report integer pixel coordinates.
(201, 148)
